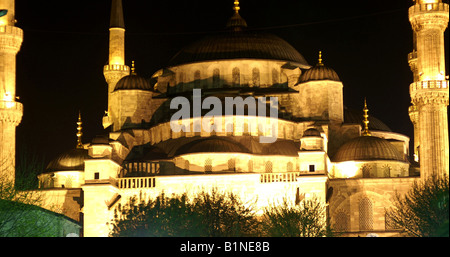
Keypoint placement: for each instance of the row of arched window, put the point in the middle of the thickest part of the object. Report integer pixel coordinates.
(268, 166)
(236, 77)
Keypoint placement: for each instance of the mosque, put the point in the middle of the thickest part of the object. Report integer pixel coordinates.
(347, 158)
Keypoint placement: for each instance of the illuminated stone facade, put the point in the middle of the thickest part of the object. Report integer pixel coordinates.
(320, 149)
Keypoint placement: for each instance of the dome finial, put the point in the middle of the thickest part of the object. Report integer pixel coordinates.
(133, 69)
(320, 59)
(79, 133)
(236, 7)
(366, 131)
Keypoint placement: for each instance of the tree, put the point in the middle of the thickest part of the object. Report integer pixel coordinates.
(17, 217)
(225, 215)
(28, 166)
(163, 216)
(307, 219)
(20, 215)
(207, 214)
(423, 210)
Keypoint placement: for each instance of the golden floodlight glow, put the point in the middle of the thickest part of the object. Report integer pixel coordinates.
(348, 169)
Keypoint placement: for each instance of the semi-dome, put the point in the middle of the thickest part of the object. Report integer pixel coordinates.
(133, 82)
(211, 145)
(72, 160)
(367, 148)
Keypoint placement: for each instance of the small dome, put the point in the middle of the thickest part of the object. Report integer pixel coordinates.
(236, 22)
(311, 132)
(319, 72)
(133, 82)
(367, 148)
(69, 161)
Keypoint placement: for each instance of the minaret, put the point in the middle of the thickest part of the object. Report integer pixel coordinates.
(116, 68)
(429, 91)
(11, 38)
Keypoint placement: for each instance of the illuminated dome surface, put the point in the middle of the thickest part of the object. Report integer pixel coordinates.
(319, 72)
(69, 161)
(236, 42)
(133, 82)
(367, 148)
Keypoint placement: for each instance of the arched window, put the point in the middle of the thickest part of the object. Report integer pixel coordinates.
(232, 164)
(269, 167)
(197, 79)
(275, 77)
(208, 165)
(290, 167)
(250, 166)
(229, 129)
(366, 171)
(246, 131)
(236, 77)
(341, 221)
(186, 165)
(255, 77)
(216, 78)
(365, 214)
(386, 171)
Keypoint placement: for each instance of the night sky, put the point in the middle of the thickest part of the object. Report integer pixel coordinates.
(59, 67)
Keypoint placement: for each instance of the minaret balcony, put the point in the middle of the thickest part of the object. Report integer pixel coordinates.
(11, 111)
(429, 15)
(429, 84)
(10, 38)
(6, 29)
(412, 57)
(429, 91)
(116, 67)
(428, 7)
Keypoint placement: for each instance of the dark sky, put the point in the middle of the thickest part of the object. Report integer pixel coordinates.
(59, 67)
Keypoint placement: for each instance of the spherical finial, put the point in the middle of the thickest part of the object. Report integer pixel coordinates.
(79, 133)
(320, 59)
(133, 69)
(236, 7)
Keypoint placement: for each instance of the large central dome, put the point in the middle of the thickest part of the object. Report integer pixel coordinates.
(239, 43)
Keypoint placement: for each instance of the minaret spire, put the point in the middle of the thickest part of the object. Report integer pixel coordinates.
(117, 20)
(366, 131)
